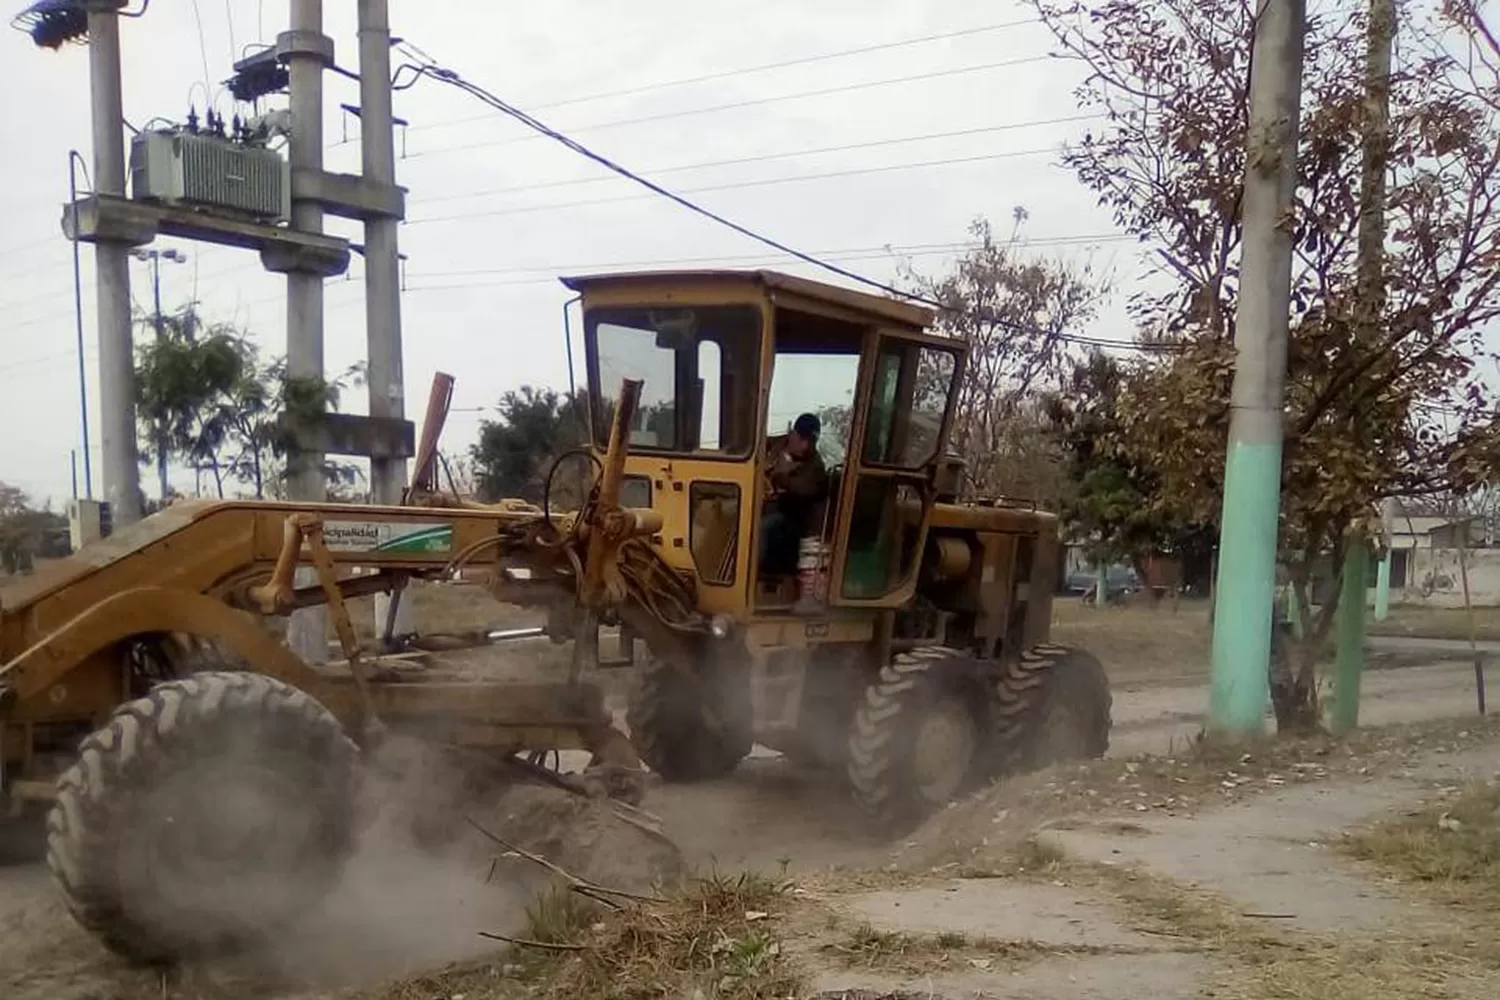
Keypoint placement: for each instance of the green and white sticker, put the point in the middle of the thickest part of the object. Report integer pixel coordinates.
(387, 536)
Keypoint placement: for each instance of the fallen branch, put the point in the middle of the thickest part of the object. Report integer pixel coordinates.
(642, 821)
(528, 943)
(581, 886)
(634, 815)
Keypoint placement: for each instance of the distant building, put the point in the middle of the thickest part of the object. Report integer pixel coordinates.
(1425, 557)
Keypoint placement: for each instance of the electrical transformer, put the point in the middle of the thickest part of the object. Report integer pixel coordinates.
(211, 173)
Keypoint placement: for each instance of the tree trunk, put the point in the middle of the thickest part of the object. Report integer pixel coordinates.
(161, 466)
(1294, 688)
(1213, 585)
(1294, 660)
(1139, 565)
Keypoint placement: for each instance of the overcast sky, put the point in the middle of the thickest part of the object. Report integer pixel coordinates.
(482, 300)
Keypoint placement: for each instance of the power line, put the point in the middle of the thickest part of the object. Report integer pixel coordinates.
(426, 67)
(737, 185)
(516, 189)
(747, 103)
(233, 49)
(203, 49)
(46, 265)
(746, 70)
(21, 247)
(264, 300)
(550, 271)
(784, 155)
(1484, 30)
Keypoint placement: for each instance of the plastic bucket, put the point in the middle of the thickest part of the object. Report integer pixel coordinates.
(812, 573)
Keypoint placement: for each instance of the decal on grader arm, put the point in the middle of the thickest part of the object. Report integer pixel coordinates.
(375, 536)
(138, 684)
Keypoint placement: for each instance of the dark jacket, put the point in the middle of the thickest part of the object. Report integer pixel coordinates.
(801, 484)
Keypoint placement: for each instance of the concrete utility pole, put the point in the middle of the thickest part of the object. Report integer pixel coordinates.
(1371, 238)
(382, 258)
(122, 474)
(1383, 573)
(1375, 162)
(1370, 307)
(1351, 650)
(1252, 472)
(309, 52)
(382, 272)
(75, 160)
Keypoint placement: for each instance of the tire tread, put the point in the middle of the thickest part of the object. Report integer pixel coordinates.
(140, 737)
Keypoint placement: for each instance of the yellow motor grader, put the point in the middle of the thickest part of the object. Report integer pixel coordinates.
(190, 758)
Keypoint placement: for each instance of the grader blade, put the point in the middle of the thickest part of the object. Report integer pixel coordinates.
(141, 670)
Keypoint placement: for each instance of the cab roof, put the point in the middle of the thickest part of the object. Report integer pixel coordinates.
(893, 310)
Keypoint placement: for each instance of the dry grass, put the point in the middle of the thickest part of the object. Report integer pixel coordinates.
(1456, 864)
(716, 939)
(1437, 623)
(865, 947)
(1259, 961)
(1137, 640)
(1451, 847)
(1167, 909)
(985, 831)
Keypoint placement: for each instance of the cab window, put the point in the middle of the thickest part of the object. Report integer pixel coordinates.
(698, 372)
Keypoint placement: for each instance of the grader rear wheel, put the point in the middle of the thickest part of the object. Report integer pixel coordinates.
(213, 809)
(1053, 705)
(683, 726)
(919, 736)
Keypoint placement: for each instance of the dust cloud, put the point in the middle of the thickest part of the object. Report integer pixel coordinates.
(422, 883)
(407, 900)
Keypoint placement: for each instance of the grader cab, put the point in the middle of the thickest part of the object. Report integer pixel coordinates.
(909, 647)
(178, 743)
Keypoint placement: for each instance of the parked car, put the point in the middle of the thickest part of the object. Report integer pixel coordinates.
(1119, 581)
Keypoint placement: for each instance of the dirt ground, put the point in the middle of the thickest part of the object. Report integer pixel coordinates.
(1122, 878)
(1439, 623)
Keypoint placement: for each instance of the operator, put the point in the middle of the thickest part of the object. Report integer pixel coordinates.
(799, 482)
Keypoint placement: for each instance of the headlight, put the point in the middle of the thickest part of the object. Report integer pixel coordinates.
(719, 625)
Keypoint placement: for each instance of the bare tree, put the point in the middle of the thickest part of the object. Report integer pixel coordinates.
(1016, 309)
(1404, 413)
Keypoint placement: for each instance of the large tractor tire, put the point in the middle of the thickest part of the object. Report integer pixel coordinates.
(919, 736)
(214, 809)
(684, 726)
(1053, 705)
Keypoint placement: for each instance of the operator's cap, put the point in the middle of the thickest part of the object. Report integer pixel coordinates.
(808, 426)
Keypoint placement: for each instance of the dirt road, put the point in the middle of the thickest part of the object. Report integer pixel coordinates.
(767, 818)
(1156, 717)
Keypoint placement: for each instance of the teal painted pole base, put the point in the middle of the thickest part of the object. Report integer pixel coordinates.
(1293, 611)
(1351, 655)
(1383, 588)
(1239, 690)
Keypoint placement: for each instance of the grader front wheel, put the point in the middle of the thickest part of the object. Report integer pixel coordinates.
(204, 814)
(683, 726)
